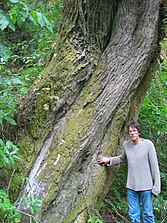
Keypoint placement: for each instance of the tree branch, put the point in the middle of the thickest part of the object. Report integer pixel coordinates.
(30, 216)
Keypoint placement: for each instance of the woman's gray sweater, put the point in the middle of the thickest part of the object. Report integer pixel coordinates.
(143, 169)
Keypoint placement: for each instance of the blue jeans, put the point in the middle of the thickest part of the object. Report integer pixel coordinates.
(140, 200)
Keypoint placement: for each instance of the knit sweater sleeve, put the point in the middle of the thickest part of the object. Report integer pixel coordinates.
(115, 160)
(154, 170)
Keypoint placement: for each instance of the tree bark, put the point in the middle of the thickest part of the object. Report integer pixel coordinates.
(105, 57)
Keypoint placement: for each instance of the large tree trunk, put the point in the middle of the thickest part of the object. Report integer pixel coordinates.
(104, 60)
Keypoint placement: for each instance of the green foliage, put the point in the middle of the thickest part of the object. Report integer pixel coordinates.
(95, 219)
(5, 52)
(24, 52)
(8, 156)
(7, 99)
(6, 21)
(154, 106)
(31, 52)
(35, 204)
(17, 15)
(8, 153)
(153, 119)
(11, 88)
(8, 212)
(160, 207)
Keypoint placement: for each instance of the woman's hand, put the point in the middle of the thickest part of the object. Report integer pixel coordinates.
(103, 160)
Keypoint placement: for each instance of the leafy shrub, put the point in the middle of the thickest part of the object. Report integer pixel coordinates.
(8, 156)
(18, 13)
(8, 153)
(8, 212)
(160, 207)
(24, 52)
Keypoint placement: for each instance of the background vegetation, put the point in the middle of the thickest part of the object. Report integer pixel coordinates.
(26, 37)
(27, 31)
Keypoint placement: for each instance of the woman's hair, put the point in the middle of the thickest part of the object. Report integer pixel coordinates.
(134, 125)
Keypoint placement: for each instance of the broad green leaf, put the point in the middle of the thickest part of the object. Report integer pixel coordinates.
(20, 21)
(1, 154)
(10, 120)
(10, 144)
(33, 17)
(41, 20)
(24, 13)
(48, 24)
(1, 142)
(5, 21)
(5, 160)
(13, 15)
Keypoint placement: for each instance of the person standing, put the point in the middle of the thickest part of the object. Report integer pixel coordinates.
(143, 174)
